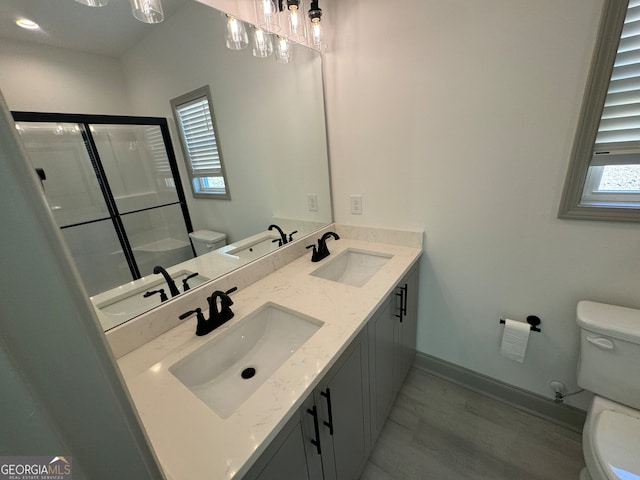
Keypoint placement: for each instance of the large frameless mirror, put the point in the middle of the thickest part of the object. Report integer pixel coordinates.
(270, 123)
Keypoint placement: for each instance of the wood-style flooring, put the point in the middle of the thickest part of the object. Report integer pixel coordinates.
(439, 430)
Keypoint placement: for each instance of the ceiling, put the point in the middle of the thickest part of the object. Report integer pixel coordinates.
(108, 30)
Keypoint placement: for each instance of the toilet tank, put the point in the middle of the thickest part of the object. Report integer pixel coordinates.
(205, 241)
(609, 363)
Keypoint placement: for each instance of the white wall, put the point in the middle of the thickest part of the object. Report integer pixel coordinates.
(458, 118)
(38, 78)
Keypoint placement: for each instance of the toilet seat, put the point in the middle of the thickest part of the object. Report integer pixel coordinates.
(616, 442)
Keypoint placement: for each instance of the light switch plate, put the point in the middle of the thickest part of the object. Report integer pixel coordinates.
(356, 204)
(312, 202)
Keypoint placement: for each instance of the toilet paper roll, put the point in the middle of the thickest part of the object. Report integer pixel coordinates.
(514, 340)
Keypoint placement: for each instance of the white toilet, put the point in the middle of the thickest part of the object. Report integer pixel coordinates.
(205, 241)
(609, 366)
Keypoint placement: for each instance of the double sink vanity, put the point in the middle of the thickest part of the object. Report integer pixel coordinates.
(299, 382)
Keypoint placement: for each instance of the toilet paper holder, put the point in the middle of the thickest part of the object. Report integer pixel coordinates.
(533, 321)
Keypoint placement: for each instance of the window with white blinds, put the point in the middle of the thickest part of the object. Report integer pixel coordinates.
(604, 176)
(619, 127)
(195, 121)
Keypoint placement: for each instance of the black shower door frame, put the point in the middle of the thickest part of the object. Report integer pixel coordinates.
(98, 168)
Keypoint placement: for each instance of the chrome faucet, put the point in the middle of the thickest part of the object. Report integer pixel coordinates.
(172, 285)
(322, 251)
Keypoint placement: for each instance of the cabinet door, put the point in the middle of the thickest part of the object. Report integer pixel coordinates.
(382, 353)
(285, 457)
(343, 402)
(406, 329)
(314, 446)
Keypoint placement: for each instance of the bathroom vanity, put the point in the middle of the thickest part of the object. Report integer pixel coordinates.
(350, 321)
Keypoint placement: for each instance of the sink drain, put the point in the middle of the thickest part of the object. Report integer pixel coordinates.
(248, 373)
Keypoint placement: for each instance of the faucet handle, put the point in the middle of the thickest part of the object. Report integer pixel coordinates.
(163, 296)
(198, 311)
(203, 326)
(291, 235)
(185, 284)
(315, 256)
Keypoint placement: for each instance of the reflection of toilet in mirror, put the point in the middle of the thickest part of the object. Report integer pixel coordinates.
(205, 241)
(609, 366)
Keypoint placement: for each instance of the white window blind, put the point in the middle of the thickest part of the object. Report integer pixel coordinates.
(197, 128)
(620, 122)
(196, 123)
(613, 177)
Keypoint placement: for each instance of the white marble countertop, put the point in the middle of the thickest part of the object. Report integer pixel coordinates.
(190, 440)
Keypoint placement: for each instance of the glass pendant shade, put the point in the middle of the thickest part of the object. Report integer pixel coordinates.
(268, 15)
(315, 39)
(147, 11)
(262, 43)
(283, 50)
(315, 17)
(296, 21)
(93, 3)
(235, 33)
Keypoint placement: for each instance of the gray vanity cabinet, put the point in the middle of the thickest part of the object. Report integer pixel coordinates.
(407, 306)
(392, 347)
(382, 352)
(285, 457)
(328, 438)
(342, 399)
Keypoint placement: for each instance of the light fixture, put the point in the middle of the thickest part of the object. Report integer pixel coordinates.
(283, 50)
(268, 14)
(147, 11)
(28, 24)
(315, 16)
(93, 3)
(266, 37)
(235, 33)
(262, 44)
(297, 27)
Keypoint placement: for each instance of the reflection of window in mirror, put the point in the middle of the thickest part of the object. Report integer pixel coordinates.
(195, 120)
(603, 181)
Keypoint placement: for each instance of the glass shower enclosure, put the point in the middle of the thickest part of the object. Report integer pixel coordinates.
(113, 187)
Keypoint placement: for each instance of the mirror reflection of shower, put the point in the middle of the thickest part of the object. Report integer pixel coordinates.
(112, 191)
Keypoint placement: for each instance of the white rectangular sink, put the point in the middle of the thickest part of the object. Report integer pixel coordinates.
(352, 267)
(226, 371)
(255, 249)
